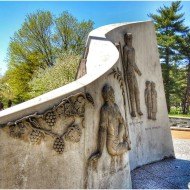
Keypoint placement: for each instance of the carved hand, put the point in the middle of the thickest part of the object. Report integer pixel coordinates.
(128, 142)
(95, 157)
(93, 160)
(139, 73)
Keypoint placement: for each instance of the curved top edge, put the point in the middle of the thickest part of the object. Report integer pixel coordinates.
(103, 30)
(97, 34)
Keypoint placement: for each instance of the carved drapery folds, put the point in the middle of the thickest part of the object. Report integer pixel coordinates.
(112, 128)
(151, 100)
(34, 128)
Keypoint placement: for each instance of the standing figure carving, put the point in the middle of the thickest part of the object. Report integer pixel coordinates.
(148, 99)
(130, 70)
(112, 129)
(154, 100)
(151, 100)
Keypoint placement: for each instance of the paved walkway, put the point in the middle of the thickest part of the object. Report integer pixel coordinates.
(166, 174)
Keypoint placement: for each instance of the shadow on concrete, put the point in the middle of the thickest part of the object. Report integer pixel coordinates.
(165, 174)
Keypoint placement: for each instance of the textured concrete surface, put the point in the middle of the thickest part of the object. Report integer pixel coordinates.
(166, 174)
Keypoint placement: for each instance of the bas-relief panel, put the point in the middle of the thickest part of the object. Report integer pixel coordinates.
(64, 122)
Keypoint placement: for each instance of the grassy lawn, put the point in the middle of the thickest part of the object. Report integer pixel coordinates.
(179, 115)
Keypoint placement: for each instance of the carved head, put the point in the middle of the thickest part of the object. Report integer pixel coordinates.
(108, 94)
(148, 84)
(128, 38)
(153, 85)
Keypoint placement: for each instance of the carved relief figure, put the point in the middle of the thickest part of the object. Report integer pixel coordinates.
(148, 99)
(112, 127)
(130, 70)
(154, 100)
(151, 100)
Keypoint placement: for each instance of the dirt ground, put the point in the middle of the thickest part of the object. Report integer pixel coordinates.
(180, 134)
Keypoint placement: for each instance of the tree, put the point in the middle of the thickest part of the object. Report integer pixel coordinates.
(32, 44)
(70, 33)
(184, 49)
(38, 44)
(169, 23)
(6, 93)
(178, 80)
(17, 78)
(63, 72)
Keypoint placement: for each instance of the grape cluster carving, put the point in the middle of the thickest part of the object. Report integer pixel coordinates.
(59, 145)
(17, 130)
(29, 128)
(50, 118)
(36, 136)
(73, 133)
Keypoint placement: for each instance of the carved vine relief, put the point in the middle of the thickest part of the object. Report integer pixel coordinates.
(130, 70)
(117, 74)
(151, 100)
(112, 128)
(34, 128)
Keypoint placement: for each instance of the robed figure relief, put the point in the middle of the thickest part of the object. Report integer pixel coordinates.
(151, 100)
(130, 71)
(154, 100)
(112, 128)
(148, 99)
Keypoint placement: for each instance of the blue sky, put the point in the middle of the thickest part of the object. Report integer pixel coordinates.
(12, 15)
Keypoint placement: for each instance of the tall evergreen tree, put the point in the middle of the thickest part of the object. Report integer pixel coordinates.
(184, 49)
(169, 23)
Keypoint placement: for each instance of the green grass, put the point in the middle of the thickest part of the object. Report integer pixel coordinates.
(177, 112)
(179, 115)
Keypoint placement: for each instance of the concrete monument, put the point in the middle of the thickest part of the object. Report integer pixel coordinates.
(51, 141)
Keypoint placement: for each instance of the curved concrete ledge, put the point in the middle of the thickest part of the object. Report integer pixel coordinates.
(96, 66)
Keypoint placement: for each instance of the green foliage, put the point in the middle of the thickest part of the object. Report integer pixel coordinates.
(18, 78)
(169, 23)
(178, 81)
(63, 72)
(6, 92)
(184, 49)
(70, 33)
(178, 113)
(34, 49)
(32, 44)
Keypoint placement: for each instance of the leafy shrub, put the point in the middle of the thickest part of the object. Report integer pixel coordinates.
(63, 72)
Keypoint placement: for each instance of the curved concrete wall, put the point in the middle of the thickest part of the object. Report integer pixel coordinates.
(25, 165)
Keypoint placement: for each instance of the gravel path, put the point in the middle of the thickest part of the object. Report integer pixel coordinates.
(166, 174)
(182, 148)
